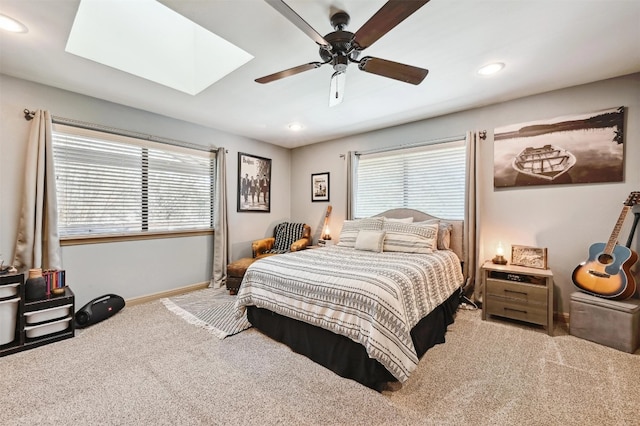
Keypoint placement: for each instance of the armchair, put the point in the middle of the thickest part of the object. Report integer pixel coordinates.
(287, 237)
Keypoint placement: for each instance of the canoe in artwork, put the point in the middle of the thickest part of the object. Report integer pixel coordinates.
(547, 162)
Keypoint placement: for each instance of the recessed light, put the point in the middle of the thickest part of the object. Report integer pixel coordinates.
(9, 24)
(295, 127)
(491, 68)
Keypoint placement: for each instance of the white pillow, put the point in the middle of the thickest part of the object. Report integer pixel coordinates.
(403, 220)
(444, 232)
(410, 238)
(370, 241)
(444, 235)
(350, 229)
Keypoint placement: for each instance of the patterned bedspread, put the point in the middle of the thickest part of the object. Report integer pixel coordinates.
(372, 298)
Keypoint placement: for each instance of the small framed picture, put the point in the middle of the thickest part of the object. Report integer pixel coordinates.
(320, 187)
(531, 257)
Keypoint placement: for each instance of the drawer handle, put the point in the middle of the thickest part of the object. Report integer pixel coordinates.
(515, 310)
(506, 290)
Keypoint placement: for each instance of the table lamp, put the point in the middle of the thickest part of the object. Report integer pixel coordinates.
(499, 259)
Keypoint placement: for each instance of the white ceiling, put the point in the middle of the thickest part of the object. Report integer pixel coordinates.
(545, 44)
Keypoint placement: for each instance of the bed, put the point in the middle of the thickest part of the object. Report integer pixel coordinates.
(369, 307)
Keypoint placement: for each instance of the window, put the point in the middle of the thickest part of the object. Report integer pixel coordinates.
(113, 185)
(429, 178)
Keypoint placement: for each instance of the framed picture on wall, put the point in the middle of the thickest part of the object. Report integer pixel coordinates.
(579, 148)
(254, 183)
(320, 187)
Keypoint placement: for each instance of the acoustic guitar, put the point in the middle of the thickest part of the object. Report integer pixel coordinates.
(606, 273)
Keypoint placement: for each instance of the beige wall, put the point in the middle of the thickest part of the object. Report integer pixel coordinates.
(566, 219)
(136, 268)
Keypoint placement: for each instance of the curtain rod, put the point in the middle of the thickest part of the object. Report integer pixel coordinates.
(28, 115)
(481, 133)
(411, 145)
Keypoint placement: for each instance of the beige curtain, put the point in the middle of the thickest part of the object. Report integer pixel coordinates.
(351, 163)
(38, 243)
(220, 224)
(471, 216)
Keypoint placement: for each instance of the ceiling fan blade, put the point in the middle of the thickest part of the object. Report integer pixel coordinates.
(336, 95)
(395, 70)
(289, 72)
(296, 20)
(389, 15)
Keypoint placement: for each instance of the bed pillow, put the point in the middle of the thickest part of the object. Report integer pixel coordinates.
(410, 238)
(351, 228)
(403, 220)
(444, 235)
(370, 241)
(444, 232)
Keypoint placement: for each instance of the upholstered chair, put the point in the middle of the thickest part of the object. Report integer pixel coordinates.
(287, 237)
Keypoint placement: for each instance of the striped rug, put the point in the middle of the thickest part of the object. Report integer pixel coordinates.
(219, 319)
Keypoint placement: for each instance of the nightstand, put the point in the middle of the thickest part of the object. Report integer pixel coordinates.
(518, 292)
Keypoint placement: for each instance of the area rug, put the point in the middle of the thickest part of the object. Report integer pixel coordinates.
(211, 309)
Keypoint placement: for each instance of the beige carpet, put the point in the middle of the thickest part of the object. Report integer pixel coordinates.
(147, 366)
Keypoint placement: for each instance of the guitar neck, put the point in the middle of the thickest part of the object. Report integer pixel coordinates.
(616, 231)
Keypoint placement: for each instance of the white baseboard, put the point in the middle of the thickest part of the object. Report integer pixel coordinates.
(168, 293)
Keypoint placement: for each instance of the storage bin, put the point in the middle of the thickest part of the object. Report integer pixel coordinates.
(608, 322)
(8, 290)
(47, 328)
(8, 319)
(35, 317)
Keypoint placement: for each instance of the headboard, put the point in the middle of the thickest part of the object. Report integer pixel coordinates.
(457, 240)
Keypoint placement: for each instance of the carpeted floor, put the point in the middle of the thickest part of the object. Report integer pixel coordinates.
(147, 366)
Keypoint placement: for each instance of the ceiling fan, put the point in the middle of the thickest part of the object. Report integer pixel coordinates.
(341, 47)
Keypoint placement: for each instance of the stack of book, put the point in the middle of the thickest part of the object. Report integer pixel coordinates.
(55, 280)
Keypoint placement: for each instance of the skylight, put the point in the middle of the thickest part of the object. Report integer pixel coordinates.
(149, 40)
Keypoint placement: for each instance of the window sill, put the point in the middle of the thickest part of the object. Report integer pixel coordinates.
(102, 239)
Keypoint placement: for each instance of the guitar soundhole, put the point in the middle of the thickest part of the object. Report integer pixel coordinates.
(605, 259)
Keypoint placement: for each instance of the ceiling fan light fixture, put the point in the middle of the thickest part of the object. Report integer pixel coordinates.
(7, 23)
(491, 69)
(340, 63)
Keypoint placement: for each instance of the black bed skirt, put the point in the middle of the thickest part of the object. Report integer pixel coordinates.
(342, 355)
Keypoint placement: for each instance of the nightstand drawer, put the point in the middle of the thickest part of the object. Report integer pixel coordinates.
(526, 293)
(533, 313)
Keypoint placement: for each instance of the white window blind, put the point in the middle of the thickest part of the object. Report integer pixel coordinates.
(111, 184)
(429, 178)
